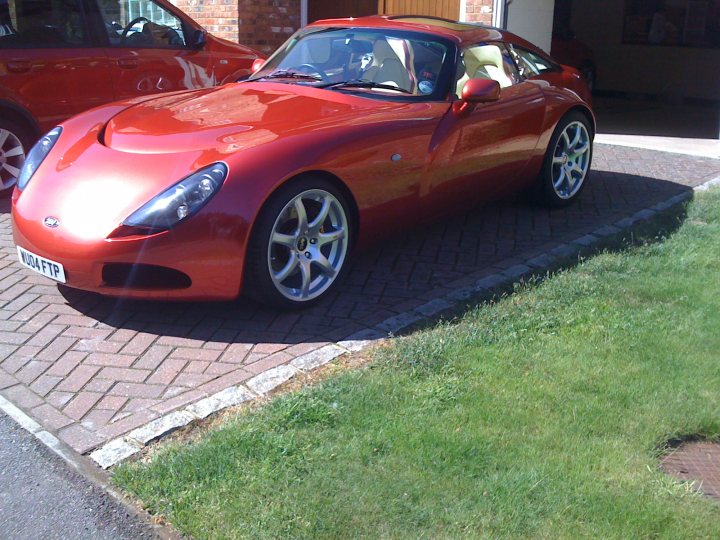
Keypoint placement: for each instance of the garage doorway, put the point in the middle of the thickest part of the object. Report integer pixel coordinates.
(447, 9)
(333, 9)
(653, 62)
(329, 9)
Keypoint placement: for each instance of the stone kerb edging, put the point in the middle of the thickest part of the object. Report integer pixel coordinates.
(261, 385)
(122, 448)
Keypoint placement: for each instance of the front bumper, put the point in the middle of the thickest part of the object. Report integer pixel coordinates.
(213, 265)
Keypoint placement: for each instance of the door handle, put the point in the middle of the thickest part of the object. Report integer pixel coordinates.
(18, 66)
(127, 63)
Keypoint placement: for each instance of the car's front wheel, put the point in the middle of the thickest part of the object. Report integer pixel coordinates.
(567, 161)
(15, 142)
(299, 246)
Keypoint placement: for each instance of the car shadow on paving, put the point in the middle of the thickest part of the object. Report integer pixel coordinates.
(91, 368)
(398, 276)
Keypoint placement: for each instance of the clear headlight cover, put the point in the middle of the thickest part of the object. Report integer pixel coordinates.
(36, 156)
(179, 202)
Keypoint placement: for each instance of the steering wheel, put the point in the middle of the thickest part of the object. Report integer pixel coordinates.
(131, 24)
(314, 69)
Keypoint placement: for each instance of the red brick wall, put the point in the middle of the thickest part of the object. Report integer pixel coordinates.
(266, 24)
(261, 24)
(219, 17)
(479, 11)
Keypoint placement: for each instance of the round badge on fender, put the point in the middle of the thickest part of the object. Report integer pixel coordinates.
(51, 222)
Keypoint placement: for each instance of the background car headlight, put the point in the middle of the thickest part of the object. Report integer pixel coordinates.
(175, 204)
(36, 156)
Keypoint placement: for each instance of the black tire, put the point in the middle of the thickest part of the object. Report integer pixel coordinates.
(550, 174)
(12, 132)
(311, 251)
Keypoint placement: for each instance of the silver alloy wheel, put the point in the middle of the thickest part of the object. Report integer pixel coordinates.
(571, 160)
(12, 157)
(308, 245)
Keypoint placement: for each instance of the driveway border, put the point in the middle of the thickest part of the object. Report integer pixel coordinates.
(121, 448)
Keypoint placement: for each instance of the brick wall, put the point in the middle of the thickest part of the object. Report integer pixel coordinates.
(219, 17)
(479, 11)
(261, 24)
(266, 24)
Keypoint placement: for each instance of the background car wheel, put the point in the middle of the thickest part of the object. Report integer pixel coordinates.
(299, 245)
(567, 161)
(15, 143)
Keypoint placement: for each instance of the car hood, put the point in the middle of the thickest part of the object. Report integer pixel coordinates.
(235, 117)
(172, 135)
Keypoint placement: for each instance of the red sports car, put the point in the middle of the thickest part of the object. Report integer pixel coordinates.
(353, 129)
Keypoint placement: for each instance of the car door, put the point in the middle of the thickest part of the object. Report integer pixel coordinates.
(151, 49)
(49, 64)
(482, 152)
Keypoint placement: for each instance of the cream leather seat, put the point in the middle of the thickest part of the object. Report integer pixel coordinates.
(484, 62)
(387, 67)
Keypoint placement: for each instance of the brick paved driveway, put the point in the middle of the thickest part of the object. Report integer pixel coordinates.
(90, 369)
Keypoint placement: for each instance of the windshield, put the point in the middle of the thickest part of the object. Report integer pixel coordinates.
(380, 61)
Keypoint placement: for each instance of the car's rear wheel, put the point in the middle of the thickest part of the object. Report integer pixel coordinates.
(15, 142)
(299, 246)
(567, 161)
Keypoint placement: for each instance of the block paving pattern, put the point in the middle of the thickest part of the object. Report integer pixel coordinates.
(697, 462)
(90, 369)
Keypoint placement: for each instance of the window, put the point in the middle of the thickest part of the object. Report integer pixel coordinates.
(692, 23)
(141, 23)
(41, 24)
(531, 64)
(350, 59)
(487, 61)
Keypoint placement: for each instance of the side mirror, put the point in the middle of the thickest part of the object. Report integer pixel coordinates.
(476, 91)
(198, 39)
(257, 64)
(481, 91)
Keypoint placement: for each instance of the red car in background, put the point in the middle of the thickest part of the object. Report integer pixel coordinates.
(353, 130)
(570, 51)
(61, 57)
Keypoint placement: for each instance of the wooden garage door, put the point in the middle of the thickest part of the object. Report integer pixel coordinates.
(330, 9)
(449, 9)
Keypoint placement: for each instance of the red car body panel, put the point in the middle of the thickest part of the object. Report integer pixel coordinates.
(48, 85)
(571, 51)
(400, 163)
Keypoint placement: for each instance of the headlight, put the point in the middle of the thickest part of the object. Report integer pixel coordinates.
(36, 156)
(176, 204)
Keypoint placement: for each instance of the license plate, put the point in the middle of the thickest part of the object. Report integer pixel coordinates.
(46, 267)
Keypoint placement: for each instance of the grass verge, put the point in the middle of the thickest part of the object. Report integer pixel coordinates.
(540, 415)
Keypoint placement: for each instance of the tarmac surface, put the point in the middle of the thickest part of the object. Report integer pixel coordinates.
(42, 497)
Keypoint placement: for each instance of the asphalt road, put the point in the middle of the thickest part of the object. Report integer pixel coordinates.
(41, 497)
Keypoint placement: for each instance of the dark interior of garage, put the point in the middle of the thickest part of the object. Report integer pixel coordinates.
(654, 63)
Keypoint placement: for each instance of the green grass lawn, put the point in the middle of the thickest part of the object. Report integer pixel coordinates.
(541, 415)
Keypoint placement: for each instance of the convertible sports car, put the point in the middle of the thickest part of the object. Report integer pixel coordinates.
(354, 128)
